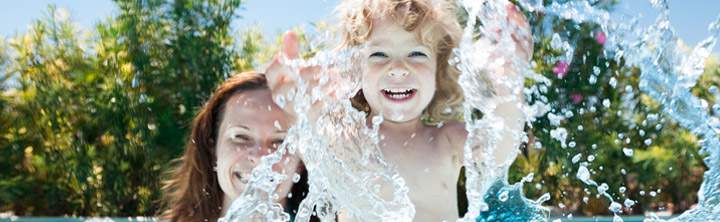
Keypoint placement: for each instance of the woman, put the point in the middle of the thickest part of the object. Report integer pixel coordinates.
(238, 125)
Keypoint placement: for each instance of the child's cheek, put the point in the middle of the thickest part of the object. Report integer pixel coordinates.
(375, 68)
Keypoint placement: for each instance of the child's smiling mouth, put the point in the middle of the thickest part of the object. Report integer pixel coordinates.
(399, 94)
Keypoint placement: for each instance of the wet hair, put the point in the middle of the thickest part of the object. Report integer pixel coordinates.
(435, 24)
(193, 193)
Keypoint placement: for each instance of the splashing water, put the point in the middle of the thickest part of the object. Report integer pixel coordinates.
(346, 169)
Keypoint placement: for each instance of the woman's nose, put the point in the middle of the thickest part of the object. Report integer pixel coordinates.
(255, 154)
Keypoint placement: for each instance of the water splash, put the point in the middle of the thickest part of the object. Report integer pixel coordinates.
(667, 76)
(346, 170)
(332, 145)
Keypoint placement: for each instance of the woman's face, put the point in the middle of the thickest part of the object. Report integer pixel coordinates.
(252, 126)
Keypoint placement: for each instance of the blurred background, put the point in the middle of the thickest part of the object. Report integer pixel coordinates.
(96, 98)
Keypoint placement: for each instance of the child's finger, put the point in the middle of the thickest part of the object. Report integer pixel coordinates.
(276, 74)
(290, 45)
(272, 73)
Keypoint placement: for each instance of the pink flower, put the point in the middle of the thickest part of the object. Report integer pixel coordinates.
(600, 37)
(560, 69)
(576, 98)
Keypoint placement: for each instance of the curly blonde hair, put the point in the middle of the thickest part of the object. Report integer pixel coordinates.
(436, 25)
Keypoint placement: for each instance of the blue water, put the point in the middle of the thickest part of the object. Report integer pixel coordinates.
(507, 203)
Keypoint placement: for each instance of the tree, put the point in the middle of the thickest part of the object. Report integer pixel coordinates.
(611, 126)
(97, 120)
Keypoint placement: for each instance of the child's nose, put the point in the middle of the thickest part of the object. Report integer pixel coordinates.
(398, 69)
(397, 73)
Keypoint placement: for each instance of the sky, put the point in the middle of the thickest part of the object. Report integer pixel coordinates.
(690, 17)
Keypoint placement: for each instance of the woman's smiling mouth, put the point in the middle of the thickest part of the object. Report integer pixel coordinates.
(399, 94)
(244, 179)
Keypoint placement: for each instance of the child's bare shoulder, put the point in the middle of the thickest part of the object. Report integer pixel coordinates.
(455, 132)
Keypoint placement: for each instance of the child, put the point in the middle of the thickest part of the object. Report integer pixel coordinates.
(408, 81)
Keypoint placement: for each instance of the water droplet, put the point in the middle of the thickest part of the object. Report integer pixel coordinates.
(603, 188)
(622, 189)
(628, 152)
(280, 101)
(559, 134)
(584, 175)
(591, 158)
(538, 145)
(615, 207)
(543, 198)
(629, 203)
(613, 82)
(648, 142)
(503, 196)
(376, 120)
(576, 158)
(606, 103)
(617, 218)
(277, 125)
(296, 178)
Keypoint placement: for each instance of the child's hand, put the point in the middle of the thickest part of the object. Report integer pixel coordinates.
(507, 75)
(281, 81)
(522, 36)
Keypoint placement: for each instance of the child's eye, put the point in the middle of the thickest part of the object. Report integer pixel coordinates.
(417, 54)
(378, 55)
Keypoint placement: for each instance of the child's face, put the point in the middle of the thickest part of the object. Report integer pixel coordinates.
(399, 81)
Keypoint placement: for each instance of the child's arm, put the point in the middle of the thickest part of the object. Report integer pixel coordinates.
(511, 111)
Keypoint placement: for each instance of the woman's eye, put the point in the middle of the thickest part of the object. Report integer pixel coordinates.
(417, 54)
(239, 138)
(378, 55)
(276, 144)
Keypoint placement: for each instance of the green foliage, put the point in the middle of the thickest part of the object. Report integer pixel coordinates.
(665, 158)
(94, 121)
